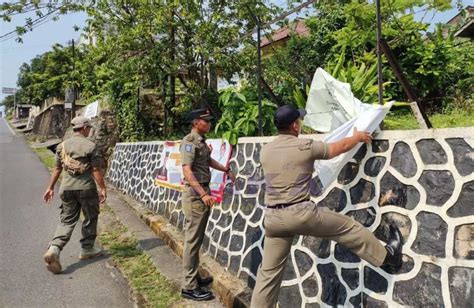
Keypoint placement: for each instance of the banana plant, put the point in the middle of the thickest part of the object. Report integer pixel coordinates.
(361, 75)
(300, 99)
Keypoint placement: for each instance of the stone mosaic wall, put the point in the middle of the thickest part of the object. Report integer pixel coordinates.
(423, 181)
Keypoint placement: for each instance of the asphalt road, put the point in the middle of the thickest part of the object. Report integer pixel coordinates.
(26, 226)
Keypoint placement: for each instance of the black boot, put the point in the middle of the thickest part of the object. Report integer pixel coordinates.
(197, 294)
(393, 260)
(203, 282)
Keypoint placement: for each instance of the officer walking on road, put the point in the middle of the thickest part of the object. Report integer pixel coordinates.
(197, 201)
(288, 164)
(79, 158)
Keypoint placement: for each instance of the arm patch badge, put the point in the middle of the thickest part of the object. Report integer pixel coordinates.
(188, 148)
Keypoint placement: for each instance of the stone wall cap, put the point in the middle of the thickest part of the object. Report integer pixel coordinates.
(457, 132)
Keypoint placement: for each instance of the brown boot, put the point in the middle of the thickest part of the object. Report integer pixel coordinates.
(89, 253)
(51, 257)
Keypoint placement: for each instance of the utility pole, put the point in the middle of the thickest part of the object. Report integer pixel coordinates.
(73, 105)
(259, 72)
(379, 51)
(14, 103)
(172, 78)
(138, 102)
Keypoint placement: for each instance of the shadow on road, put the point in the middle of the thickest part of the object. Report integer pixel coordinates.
(81, 263)
(149, 244)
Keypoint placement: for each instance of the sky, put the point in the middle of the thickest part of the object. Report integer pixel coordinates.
(13, 54)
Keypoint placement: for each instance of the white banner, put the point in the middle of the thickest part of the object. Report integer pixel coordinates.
(332, 107)
(368, 121)
(330, 103)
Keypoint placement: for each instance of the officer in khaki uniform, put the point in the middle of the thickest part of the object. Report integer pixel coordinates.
(196, 201)
(79, 158)
(288, 164)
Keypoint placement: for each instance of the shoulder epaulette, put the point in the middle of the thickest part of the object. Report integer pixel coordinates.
(189, 138)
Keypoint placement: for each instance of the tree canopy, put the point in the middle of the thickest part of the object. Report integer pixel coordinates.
(179, 48)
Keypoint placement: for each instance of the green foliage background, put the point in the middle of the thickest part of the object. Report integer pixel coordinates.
(153, 44)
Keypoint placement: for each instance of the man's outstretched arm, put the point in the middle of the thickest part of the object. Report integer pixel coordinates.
(346, 144)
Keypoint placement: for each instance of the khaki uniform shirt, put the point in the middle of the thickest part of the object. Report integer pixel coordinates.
(288, 164)
(196, 153)
(83, 150)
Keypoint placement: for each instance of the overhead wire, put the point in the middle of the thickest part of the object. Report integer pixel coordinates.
(14, 35)
(37, 22)
(28, 8)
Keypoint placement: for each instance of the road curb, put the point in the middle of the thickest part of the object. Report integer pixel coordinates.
(232, 291)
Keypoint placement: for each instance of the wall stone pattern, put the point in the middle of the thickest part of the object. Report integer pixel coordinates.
(422, 181)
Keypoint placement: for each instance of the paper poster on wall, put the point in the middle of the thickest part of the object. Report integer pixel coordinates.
(221, 152)
(169, 174)
(92, 110)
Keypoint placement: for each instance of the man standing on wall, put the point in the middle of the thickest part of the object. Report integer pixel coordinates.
(288, 164)
(79, 157)
(196, 201)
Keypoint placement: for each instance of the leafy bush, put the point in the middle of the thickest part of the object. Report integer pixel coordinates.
(240, 115)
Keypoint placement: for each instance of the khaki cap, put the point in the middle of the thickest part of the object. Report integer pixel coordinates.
(79, 122)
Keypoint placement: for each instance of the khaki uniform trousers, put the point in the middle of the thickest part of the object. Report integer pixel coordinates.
(73, 201)
(281, 225)
(196, 217)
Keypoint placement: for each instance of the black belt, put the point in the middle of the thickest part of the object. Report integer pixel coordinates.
(285, 205)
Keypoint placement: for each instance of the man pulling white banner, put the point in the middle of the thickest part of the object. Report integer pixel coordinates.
(332, 108)
(288, 184)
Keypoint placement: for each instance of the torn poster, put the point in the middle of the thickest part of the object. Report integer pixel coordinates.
(332, 108)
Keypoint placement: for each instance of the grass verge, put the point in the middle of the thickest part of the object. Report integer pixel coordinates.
(453, 119)
(137, 267)
(46, 156)
(406, 120)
